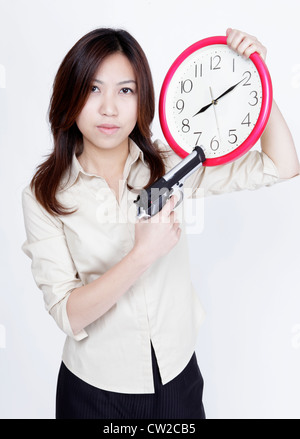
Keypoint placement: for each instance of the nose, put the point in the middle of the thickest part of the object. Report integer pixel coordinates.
(108, 106)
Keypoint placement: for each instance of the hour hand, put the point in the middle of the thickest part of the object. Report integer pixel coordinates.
(204, 108)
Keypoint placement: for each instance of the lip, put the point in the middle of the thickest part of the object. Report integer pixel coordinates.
(107, 128)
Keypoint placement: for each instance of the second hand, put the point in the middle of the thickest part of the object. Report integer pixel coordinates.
(214, 105)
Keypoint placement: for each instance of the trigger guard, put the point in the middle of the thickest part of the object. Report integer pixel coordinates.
(176, 192)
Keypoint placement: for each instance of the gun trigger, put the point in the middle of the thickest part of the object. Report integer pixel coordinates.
(177, 192)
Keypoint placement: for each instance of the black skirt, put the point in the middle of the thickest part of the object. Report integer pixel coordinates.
(181, 398)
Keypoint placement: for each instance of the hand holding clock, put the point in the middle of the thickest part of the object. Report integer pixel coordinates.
(245, 44)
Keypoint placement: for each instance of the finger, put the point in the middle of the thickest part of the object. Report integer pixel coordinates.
(261, 50)
(176, 198)
(178, 232)
(234, 38)
(169, 206)
(250, 50)
(244, 45)
(176, 225)
(172, 220)
(228, 31)
(239, 41)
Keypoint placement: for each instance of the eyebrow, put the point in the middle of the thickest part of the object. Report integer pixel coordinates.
(128, 81)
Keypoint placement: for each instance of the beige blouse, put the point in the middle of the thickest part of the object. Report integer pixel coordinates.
(113, 353)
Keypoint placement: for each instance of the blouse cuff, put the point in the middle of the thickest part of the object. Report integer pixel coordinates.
(269, 167)
(60, 315)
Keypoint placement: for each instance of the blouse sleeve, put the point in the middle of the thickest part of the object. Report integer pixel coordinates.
(52, 266)
(251, 171)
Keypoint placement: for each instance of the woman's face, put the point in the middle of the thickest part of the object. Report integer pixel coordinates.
(110, 112)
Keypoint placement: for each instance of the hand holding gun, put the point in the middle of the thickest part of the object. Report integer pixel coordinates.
(151, 200)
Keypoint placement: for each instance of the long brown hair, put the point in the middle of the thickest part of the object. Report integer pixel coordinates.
(71, 89)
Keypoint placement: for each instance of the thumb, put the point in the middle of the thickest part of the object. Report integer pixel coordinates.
(228, 31)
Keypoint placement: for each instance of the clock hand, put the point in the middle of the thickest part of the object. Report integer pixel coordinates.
(227, 91)
(216, 118)
(215, 101)
(204, 109)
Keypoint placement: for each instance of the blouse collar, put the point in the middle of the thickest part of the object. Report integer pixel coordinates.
(70, 177)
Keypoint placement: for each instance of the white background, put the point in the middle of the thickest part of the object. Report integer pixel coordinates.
(245, 263)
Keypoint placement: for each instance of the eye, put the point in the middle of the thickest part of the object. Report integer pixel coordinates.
(94, 89)
(126, 91)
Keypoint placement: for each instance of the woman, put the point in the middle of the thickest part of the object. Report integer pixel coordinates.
(120, 288)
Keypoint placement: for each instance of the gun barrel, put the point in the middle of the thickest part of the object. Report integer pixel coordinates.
(187, 166)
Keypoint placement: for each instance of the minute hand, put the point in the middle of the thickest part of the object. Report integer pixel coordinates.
(227, 91)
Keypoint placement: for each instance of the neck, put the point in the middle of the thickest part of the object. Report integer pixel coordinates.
(106, 163)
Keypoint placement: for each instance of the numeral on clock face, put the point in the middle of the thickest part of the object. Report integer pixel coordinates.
(214, 100)
(198, 70)
(180, 105)
(186, 86)
(215, 62)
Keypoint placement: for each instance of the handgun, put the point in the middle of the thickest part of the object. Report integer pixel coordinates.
(151, 200)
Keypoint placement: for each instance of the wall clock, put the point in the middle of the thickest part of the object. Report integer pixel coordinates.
(214, 98)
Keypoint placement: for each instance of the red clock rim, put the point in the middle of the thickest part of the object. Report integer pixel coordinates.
(267, 98)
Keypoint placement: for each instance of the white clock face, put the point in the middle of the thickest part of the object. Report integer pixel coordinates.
(213, 100)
